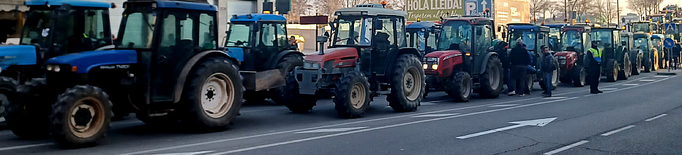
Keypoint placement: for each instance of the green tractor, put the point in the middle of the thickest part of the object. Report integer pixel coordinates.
(165, 67)
(615, 57)
(642, 41)
(636, 54)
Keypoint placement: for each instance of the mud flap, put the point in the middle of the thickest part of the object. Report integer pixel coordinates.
(264, 80)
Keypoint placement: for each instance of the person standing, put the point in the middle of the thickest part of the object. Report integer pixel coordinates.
(519, 59)
(547, 68)
(594, 59)
(676, 54)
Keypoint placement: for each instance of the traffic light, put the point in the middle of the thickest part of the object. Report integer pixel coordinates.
(267, 7)
(283, 6)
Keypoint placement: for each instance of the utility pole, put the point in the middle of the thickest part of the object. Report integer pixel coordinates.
(618, 12)
(565, 8)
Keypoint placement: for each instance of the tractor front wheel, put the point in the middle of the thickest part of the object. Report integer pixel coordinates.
(352, 95)
(579, 76)
(460, 87)
(81, 116)
(28, 112)
(407, 84)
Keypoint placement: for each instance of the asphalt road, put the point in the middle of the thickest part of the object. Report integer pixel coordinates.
(640, 115)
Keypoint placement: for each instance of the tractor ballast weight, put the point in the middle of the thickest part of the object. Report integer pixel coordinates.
(534, 38)
(615, 57)
(369, 59)
(575, 40)
(464, 62)
(260, 42)
(161, 77)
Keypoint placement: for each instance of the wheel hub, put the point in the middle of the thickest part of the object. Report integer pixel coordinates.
(86, 117)
(357, 96)
(411, 84)
(217, 95)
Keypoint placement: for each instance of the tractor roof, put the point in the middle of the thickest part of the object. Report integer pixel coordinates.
(471, 20)
(369, 10)
(257, 17)
(76, 3)
(420, 25)
(179, 4)
(624, 34)
(580, 28)
(527, 26)
(556, 25)
(640, 34)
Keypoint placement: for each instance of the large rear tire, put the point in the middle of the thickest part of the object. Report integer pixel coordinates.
(636, 65)
(296, 102)
(81, 116)
(626, 71)
(285, 66)
(460, 87)
(28, 112)
(352, 95)
(8, 86)
(491, 79)
(647, 65)
(612, 72)
(579, 75)
(213, 94)
(407, 84)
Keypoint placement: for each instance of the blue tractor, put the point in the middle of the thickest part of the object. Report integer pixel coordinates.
(52, 28)
(534, 37)
(166, 66)
(267, 56)
(555, 36)
(423, 36)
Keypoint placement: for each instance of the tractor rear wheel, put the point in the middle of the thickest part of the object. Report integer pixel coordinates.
(579, 76)
(352, 95)
(647, 65)
(637, 66)
(491, 79)
(612, 72)
(7, 88)
(285, 66)
(460, 87)
(28, 112)
(81, 116)
(296, 102)
(626, 71)
(213, 94)
(407, 84)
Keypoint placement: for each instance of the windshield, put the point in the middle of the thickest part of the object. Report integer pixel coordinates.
(455, 35)
(37, 28)
(657, 19)
(554, 32)
(239, 34)
(656, 42)
(641, 27)
(527, 37)
(604, 36)
(572, 39)
(137, 27)
(641, 43)
(353, 31)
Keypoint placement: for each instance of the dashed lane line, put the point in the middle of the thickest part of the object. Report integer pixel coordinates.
(436, 115)
(617, 130)
(656, 117)
(566, 147)
(24, 146)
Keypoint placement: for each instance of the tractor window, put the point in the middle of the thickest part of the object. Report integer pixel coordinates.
(266, 37)
(282, 41)
(207, 39)
(37, 28)
(236, 35)
(137, 28)
(353, 31)
(455, 35)
(187, 29)
(604, 36)
(642, 43)
(400, 32)
(385, 36)
(527, 36)
(169, 38)
(94, 34)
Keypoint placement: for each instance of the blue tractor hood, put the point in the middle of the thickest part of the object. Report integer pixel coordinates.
(87, 60)
(17, 55)
(236, 53)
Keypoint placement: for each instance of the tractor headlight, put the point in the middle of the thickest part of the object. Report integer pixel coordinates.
(56, 68)
(49, 67)
(434, 66)
(311, 65)
(425, 66)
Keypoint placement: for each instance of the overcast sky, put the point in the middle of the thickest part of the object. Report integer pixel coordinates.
(624, 5)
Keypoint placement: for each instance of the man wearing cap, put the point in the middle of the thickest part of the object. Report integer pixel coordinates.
(594, 61)
(519, 59)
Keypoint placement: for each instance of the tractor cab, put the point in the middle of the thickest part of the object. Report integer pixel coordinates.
(642, 42)
(615, 57)
(423, 36)
(555, 36)
(575, 40)
(470, 36)
(641, 26)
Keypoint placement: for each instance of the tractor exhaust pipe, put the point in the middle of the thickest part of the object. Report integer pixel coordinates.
(321, 40)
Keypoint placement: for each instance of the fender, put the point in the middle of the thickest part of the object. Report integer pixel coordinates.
(17, 55)
(485, 63)
(179, 86)
(85, 61)
(278, 57)
(236, 53)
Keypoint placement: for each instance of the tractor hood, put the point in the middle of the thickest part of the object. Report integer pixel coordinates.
(333, 54)
(438, 54)
(17, 55)
(86, 60)
(564, 53)
(236, 52)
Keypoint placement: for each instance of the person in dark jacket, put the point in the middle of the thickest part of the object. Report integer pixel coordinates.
(547, 68)
(676, 53)
(594, 60)
(519, 59)
(504, 58)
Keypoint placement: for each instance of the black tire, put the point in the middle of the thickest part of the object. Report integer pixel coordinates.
(636, 65)
(8, 86)
(647, 65)
(285, 66)
(491, 79)
(565, 80)
(612, 70)
(296, 102)
(204, 85)
(81, 116)
(579, 76)
(352, 95)
(625, 71)
(460, 86)
(28, 112)
(407, 73)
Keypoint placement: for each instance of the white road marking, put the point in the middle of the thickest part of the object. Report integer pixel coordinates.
(566, 147)
(24, 146)
(436, 115)
(428, 103)
(553, 98)
(536, 122)
(504, 105)
(647, 80)
(331, 130)
(186, 153)
(630, 84)
(377, 128)
(617, 130)
(653, 118)
(661, 76)
(363, 121)
(607, 89)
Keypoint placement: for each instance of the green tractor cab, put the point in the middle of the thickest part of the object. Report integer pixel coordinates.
(616, 63)
(165, 67)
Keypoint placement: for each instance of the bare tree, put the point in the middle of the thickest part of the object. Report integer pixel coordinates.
(299, 8)
(538, 7)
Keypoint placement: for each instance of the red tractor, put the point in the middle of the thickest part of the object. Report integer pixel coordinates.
(368, 57)
(464, 62)
(575, 40)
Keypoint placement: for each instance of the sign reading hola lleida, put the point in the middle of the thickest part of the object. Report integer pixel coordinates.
(432, 10)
